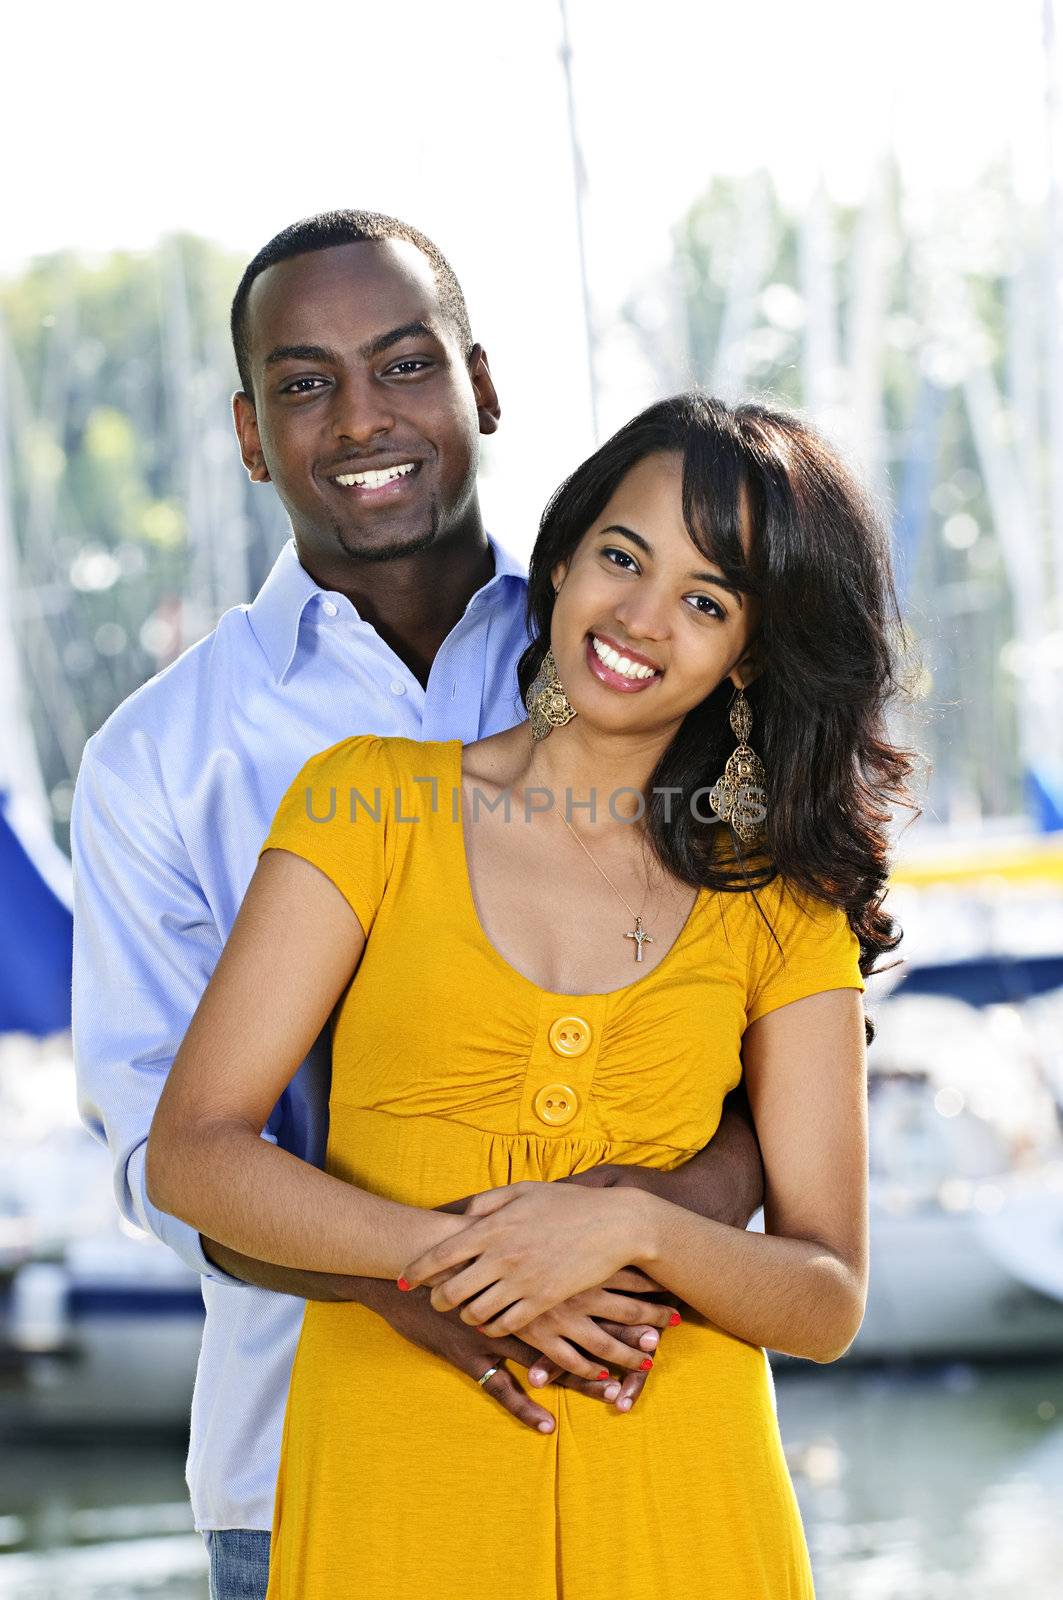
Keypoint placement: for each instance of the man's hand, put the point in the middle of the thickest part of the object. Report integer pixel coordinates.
(444, 1334)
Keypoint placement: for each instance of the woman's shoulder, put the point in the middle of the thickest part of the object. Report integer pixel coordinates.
(782, 910)
(361, 753)
(802, 943)
(498, 758)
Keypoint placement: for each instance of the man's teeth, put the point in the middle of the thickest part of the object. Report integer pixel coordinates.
(621, 664)
(373, 480)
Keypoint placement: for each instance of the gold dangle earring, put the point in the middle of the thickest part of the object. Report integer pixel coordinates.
(548, 705)
(739, 796)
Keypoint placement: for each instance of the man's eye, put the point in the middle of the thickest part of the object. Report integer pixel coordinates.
(293, 387)
(611, 551)
(409, 364)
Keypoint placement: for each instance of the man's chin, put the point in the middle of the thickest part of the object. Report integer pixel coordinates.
(386, 544)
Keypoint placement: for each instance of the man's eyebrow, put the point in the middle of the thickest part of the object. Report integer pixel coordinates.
(699, 577)
(374, 347)
(384, 341)
(300, 352)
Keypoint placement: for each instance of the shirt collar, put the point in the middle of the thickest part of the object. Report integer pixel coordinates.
(276, 612)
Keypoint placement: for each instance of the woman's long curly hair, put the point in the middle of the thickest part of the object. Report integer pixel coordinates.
(828, 651)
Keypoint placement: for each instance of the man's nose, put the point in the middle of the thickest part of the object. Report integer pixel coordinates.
(361, 410)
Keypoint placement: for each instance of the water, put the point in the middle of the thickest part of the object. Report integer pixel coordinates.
(929, 1486)
(925, 1486)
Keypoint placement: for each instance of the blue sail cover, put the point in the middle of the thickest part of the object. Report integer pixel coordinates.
(36, 943)
(986, 980)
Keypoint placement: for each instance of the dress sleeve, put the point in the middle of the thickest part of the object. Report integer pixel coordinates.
(336, 814)
(819, 951)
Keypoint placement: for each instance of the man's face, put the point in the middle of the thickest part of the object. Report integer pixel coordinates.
(358, 376)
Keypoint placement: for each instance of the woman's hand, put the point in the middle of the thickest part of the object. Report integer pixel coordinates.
(528, 1247)
(565, 1332)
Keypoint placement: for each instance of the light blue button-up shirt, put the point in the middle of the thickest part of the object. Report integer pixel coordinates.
(175, 794)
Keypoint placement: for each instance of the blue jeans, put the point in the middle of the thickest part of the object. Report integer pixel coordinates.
(239, 1563)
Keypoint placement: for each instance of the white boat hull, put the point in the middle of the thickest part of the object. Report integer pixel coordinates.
(939, 1291)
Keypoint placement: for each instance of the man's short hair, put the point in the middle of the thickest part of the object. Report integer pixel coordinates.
(343, 227)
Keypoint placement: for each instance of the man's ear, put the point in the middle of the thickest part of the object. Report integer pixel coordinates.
(246, 423)
(483, 387)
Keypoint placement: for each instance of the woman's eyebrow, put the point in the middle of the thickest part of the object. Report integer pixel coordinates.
(699, 577)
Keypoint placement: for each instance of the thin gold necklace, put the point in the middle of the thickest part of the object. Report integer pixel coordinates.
(636, 933)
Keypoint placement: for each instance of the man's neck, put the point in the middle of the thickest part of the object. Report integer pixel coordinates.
(414, 601)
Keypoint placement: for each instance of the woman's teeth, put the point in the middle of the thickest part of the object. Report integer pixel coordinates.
(375, 480)
(621, 664)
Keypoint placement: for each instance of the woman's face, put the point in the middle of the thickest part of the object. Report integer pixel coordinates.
(638, 585)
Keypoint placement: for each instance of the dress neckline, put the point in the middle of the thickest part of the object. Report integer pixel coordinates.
(495, 955)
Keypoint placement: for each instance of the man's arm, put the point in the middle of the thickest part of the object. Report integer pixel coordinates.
(145, 943)
(292, 1280)
(444, 1334)
(724, 1181)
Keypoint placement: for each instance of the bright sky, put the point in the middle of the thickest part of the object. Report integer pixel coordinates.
(121, 121)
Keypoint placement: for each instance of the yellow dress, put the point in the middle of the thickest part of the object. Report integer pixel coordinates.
(453, 1073)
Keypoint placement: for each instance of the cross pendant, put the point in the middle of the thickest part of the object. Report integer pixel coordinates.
(639, 937)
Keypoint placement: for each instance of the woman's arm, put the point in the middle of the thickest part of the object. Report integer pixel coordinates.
(800, 1287)
(293, 950)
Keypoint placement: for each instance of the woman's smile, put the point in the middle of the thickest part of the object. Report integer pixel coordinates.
(626, 673)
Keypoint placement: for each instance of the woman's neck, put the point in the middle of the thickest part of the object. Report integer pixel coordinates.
(596, 774)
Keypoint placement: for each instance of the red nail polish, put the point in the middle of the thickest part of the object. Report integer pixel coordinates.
(603, 1373)
(674, 1319)
(402, 1283)
(646, 1365)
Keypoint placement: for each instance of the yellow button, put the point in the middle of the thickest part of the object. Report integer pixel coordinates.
(569, 1036)
(556, 1104)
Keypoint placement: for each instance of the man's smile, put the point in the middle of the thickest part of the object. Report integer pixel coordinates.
(390, 482)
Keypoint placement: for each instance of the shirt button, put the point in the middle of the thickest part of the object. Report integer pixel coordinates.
(569, 1036)
(329, 607)
(556, 1104)
(397, 686)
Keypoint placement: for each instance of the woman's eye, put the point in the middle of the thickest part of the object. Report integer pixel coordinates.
(293, 388)
(611, 551)
(714, 610)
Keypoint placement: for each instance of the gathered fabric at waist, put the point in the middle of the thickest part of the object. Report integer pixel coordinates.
(426, 1161)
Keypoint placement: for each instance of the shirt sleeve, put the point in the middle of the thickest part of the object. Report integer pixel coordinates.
(337, 815)
(820, 951)
(145, 944)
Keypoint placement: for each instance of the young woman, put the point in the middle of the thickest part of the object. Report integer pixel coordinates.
(560, 946)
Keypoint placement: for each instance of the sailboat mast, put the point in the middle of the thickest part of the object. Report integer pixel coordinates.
(579, 174)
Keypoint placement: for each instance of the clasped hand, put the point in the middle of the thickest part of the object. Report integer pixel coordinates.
(528, 1247)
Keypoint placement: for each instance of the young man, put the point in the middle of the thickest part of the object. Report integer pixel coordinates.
(363, 397)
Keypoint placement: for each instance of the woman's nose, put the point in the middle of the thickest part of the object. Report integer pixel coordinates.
(643, 615)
